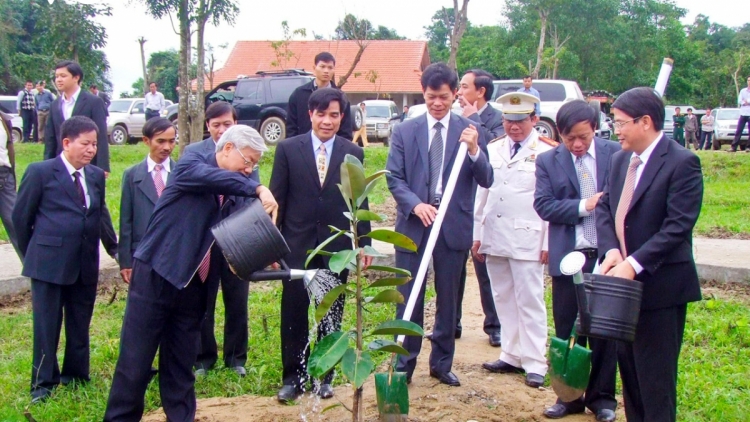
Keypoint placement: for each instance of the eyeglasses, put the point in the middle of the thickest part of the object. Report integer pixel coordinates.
(248, 163)
(619, 125)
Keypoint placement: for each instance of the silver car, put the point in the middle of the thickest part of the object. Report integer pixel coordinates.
(725, 124)
(8, 105)
(382, 116)
(126, 119)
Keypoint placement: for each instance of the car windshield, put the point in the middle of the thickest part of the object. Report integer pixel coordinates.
(8, 106)
(378, 111)
(119, 106)
(548, 91)
(728, 115)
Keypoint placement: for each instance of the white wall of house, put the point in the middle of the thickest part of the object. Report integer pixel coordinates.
(401, 99)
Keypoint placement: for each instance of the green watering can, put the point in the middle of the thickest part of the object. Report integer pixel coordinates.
(570, 363)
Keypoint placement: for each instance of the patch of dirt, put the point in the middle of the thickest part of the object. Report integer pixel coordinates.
(389, 209)
(722, 233)
(726, 291)
(482, 396)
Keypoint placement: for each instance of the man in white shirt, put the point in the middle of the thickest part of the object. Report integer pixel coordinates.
(154, 102)
(743, 101)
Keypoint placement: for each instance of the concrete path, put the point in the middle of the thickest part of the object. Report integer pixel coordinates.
(725, 260)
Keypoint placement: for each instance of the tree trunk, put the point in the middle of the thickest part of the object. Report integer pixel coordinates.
(197, 115)
(142, 41)
(543, 14)
(459, 27)
(342, 80)
(183, 129)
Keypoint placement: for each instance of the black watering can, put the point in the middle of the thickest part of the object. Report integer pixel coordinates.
(251, 242)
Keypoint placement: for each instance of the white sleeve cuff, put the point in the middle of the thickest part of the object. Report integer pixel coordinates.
(475, 156)
(582, 212)
(636, 266)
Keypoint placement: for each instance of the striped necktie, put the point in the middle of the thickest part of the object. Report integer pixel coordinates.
(625, 198)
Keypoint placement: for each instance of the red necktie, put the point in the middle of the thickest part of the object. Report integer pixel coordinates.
(205, 264)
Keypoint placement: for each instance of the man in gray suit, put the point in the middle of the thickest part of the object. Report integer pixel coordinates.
(422, 154)
(474, 94)
(570, 180)
(142, 185)
(220, 116)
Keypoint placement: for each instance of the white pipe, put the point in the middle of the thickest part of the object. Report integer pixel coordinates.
(664, 72)
(445, 201)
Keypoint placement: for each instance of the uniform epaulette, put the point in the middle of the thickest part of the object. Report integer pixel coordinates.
(496, 139)
(548, 141)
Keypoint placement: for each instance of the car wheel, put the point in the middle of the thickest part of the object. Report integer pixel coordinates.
(16, 135)
(356, 118)
(119, 136)
(273, 130)
(546, 129)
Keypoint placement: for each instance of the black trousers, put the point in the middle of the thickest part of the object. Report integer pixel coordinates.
(743, 120)
(150, 114)
(448, 265)
(295, 342)
(49, 302)
(235, 295)
(157, 315)
(648, 366)
(491, 321)
(29, 125)
(600, 393)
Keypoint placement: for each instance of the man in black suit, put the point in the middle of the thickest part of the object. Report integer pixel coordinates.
(297, 118)
(62, 260)
(168, 291)
(142, 185)
(422, 154)
(474, 93)
(95, 90)
(74, 101)
(220, 116)
(644, 225)
(305, 181)
(569, 182)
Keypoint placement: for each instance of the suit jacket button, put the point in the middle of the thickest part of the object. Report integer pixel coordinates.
(501, 198)
(499, 215)
(510, 165)
(318, 222)
(320, 198)
(505, 182)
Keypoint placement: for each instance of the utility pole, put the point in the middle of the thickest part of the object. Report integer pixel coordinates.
(142, 41)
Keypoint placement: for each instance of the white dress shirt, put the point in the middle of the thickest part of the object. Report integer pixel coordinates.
(589, 160)
(155, 102)
(743, 101)
(68, 104)
(164, 169)
(316, 143)
(72, 170)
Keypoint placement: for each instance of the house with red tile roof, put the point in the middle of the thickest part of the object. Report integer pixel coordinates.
(387, 69)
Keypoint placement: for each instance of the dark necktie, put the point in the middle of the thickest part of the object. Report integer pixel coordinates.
(436, 160)
(516, 147)
(79, 188)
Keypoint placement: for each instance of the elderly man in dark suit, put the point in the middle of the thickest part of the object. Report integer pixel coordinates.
(168, 291)
(62, 260)
(569, 182)
(644, 225)
(474, 93)
(305, 178)
(220, 116)
(142, 185)
(74, 101)
(422, 154)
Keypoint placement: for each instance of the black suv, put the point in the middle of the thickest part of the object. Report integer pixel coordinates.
(260, 100)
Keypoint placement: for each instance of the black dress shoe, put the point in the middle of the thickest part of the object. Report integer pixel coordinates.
(605, 415)
(448, 378)
(288, 393)
(325, 391)
(501, 367)
(457, 334)
(534, 380)
(495, 340)
(561, 410)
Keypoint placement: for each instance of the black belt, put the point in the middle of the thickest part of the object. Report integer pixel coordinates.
(436, 202)
(589, 253)
(46, 109)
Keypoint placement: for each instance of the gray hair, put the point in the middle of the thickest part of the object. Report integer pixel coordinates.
(242, 136)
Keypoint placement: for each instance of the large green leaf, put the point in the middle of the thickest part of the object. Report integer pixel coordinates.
(384, 282)
(357, 366)
(367, 215)
(399, 327)
(328, 300)
(371, 182)
(390, 346)
(394, 238)
(370, 251)
(394, 270)
(352, 178)
(321, 246)
(386, 296)
(341, 259)
(377, 175)
(327, 353)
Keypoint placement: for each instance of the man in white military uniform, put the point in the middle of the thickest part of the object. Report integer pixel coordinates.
(513, 240)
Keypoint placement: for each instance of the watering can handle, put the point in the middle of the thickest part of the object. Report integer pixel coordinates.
(267, 275)
(583, 303)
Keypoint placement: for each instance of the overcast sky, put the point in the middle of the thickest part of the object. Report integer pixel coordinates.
(261, 20)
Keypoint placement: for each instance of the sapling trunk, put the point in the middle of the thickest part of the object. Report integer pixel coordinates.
(357, 415)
